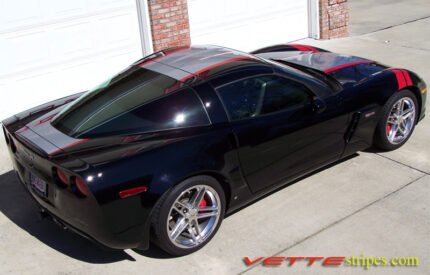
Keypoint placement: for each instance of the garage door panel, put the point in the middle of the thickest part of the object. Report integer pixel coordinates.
(13, 14)
(56, 48)
(18, 14)
(70, 39)
(247, 24)
(22, 49)
(31, 90)
(51, 44)
(64, 8)
(117, 30)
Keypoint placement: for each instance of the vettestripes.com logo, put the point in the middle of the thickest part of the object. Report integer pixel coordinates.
(331, 261)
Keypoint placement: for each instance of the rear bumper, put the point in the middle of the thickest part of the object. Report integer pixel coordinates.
(63, 224)
(84, 216)
(134, 237)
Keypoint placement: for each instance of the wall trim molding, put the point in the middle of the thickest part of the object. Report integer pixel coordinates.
(144, 27)
(314, 19)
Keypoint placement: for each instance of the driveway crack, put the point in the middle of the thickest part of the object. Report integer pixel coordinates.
(401, 163)
(397, 25)
(339, 221)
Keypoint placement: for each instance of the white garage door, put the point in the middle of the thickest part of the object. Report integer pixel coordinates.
(247, 24)
(52, 48)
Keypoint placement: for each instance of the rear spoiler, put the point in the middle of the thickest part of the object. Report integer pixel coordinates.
(21, 119)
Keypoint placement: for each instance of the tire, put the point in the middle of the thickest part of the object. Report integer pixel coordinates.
(174, 211)
(388, 136)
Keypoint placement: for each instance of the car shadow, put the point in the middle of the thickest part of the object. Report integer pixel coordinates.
(16, 205)
(374, 150)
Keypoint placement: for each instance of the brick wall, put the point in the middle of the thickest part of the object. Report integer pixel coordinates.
(334, 18)
(169, 23)
(171, 28)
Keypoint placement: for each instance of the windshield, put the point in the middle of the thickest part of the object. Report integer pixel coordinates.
(329, 80)
(135, 100)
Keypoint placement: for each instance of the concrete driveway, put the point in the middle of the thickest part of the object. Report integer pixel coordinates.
(369, 16)
(373, 204)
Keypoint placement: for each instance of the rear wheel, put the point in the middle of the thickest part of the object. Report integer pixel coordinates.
(189, 215)
(397, 121)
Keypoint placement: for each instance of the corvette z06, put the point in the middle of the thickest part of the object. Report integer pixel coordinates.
(164, 149)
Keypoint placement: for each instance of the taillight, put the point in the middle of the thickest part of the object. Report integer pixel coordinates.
(81, 186)
(62, 178)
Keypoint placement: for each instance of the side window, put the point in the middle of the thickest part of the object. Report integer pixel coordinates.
(281, 93)
(262, 95)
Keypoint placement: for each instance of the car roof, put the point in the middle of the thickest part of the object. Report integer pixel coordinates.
(197, 61)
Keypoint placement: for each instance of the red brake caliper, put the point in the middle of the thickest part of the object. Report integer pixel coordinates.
(388, 129)
(203, 203)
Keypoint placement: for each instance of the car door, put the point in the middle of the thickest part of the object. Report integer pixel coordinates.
(280, 129)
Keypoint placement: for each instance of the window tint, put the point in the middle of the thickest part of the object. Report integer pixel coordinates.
(262, 95)
(137, 101)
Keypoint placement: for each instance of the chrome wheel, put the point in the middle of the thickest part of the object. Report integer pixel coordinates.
(400, 121)
(193, 216)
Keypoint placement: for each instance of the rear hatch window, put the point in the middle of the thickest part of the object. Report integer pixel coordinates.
(135, 101)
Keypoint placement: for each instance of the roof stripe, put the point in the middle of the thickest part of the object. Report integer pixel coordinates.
(161, 54)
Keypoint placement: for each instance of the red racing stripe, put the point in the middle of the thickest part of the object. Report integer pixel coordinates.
(210, 67)
(401, 81)
(202, 72)
(407, 77)
(332, 69)
(304, 48)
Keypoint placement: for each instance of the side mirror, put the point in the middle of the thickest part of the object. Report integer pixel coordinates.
(318, 105)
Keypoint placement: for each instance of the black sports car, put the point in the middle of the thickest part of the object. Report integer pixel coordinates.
(165, 148)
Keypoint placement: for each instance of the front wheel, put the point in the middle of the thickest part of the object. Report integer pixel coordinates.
(397, 122)
(189, 215)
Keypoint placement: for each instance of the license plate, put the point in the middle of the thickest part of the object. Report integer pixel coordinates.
(39, 185)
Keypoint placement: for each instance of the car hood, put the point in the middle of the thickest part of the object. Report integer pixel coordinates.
(321, 61)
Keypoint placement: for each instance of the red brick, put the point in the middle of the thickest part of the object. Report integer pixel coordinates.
(169, 23)
(334, 17)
